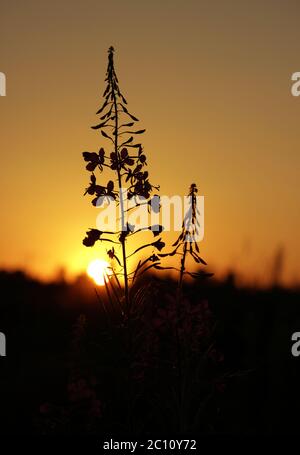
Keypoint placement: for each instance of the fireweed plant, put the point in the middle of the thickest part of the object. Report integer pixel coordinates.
(164, 356)
(186, 244)
(126, 159)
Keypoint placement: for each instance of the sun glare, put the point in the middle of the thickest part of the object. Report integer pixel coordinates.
(99, 271)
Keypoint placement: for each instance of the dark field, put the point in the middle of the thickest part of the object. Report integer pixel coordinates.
(73, 368)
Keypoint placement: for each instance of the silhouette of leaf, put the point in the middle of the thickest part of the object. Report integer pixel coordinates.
(134, 145)
(127, 124)
(153, 258)
(179, 239)
(196, 257)
(108, 113)
(101, 108)
(106, 91)
(140, 248)
(128, 140)
(162, 255)
(133, 117)
(105, 135)
(133, 132)
(96, 127)
(156, 266)
(199, 274)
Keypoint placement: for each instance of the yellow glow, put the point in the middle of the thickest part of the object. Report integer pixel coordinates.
(256, 119)
(99, 271)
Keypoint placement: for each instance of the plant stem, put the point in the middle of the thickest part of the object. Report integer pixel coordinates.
(123, 243)
(182, 268)
(121, 198)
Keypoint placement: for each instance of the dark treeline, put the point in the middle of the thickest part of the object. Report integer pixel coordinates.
(66, 370)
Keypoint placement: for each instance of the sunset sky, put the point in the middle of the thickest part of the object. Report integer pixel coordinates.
(211, 83)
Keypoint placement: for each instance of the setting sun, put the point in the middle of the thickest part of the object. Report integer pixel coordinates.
(99, 270)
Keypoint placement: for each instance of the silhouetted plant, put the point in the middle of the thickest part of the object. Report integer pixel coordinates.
(186, 244)
(126, 159)
(173, 325)
(181, 310)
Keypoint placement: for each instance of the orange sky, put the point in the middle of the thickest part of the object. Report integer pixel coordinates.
(210, 82)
